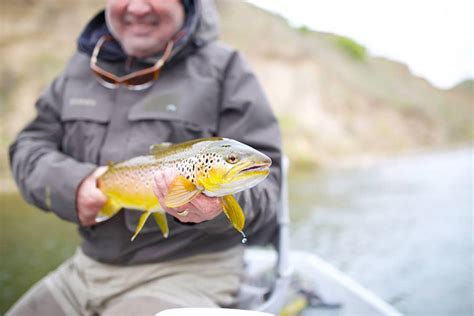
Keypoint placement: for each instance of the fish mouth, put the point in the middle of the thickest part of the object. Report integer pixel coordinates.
(249, 168)
(262, 167)
(243, 176)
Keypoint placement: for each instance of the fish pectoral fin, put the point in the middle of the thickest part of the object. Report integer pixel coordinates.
(180, 192)
(162, 221)
(110, 208)
(234, 212)
(141, 223)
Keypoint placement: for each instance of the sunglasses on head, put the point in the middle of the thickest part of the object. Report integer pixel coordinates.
(137, 80)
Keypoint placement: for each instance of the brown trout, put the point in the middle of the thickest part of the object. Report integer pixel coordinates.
(216, 167)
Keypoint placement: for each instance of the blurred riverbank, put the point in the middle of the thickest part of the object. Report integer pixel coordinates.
(32, 243)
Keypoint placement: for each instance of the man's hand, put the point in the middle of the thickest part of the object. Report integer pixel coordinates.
(200, 209)
(90, 199)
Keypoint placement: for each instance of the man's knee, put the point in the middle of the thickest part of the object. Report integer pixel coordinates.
(37, 301)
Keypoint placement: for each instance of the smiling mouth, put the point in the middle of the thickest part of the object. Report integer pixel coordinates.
(141, 23)
(149, 19)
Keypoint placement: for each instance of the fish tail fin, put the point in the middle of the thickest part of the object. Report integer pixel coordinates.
(234, 212)
(141, 223)
(110, 208)
(162, 221)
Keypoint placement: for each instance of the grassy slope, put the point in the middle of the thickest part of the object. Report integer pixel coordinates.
(36, 39)
(465, 87)
(334, 101)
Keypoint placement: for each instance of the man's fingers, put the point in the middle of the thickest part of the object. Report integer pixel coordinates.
(90, 199)
(162, 181)
(207, 204)
(87, 217)
(159, 188)
(202, 208)
(98, 196)
(93, 198)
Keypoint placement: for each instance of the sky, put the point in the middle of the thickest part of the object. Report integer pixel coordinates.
(434, 38)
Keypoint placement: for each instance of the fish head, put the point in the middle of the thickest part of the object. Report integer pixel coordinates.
(228, 166)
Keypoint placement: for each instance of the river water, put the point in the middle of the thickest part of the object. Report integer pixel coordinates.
(402, 228)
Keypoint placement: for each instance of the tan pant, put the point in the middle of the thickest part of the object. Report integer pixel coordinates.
(83, 286)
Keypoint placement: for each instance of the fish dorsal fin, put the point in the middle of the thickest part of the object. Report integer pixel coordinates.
(158, 148)
(164, 149)
(110, 163)
(180, 192)
(234, 212)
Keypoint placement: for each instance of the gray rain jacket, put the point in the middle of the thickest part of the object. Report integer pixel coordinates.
(206, 89)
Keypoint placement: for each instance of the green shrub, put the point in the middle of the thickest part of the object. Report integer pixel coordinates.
(352, 48)
(303, 29)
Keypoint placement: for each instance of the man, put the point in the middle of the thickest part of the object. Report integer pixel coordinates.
(146, 72)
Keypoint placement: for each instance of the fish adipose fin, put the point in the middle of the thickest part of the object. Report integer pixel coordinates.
(162, 221)
(234, 212)
(180, 192)
(109, 209)
(141, 223)
(158, 148)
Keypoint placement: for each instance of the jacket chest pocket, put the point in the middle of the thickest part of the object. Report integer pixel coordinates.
(85, 126)
(153, 127)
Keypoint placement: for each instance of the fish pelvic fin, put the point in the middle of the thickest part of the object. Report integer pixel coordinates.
(234, 212)
(141, 223)
(180, 192)
(162, 222)
(110, 208)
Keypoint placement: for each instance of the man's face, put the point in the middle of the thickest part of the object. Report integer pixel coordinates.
(143, 27)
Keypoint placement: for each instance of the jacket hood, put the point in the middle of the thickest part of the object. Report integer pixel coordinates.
(200, 27)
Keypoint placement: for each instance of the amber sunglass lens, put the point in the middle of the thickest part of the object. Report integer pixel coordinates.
(142, 79)
(106, 78)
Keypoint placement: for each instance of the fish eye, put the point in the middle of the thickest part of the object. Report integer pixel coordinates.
(232, 158)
